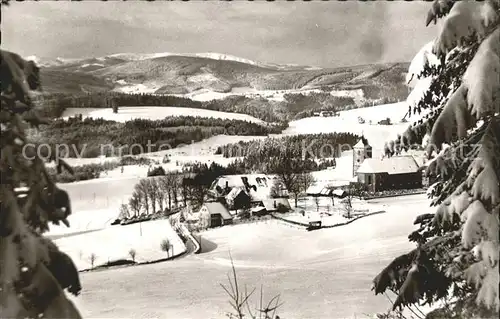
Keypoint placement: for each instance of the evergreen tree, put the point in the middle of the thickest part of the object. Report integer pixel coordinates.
(457, 254)
(33, 271)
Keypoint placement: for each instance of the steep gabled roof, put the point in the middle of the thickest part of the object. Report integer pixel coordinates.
(218, 208)
(359, 144)
(392, 165)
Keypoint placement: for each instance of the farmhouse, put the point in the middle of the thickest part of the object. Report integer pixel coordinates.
(257, 186)
(238, 198)
(214, 214)
(398, 172)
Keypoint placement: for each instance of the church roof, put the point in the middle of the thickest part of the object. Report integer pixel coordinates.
(392, 165)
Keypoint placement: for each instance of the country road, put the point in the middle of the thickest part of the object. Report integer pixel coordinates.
(320, 274)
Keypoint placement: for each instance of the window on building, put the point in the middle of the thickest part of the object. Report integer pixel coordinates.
(369, 179)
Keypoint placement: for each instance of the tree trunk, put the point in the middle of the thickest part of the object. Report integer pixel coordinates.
(160, 202)
(169, 200)
(174, 195)
(296, 200)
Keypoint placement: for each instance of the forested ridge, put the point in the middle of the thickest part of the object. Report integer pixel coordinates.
(90, 136)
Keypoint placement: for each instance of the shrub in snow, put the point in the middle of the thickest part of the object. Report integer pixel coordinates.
(166, 246)
(132, 253)
(92, 259)
(157, 171)
(456, 260)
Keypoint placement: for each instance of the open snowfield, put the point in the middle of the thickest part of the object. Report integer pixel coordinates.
(320, 274)
(202, 151)
(329, 212)
(127, 113)
(203, 95)
(377, 135)
(114, 243)
(95, 203)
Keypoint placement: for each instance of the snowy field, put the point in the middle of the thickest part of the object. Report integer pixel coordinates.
(127, 113)
(95, 203)
(203, 95)
(114, 243)
(202, 151)
(327, 211)
(347, 122)
(320, 274)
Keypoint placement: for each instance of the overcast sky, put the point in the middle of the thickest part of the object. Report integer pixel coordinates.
(309, 33)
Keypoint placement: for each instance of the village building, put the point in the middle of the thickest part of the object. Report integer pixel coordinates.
(398, 172)
(257, 186)
(329, 189)
(238, 198)
(214, 214)
(277, 205)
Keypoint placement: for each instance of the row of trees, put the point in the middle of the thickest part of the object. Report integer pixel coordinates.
(153, 194)
(174, 189)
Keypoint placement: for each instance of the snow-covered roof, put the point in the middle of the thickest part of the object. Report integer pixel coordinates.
(273, 203)
(234, 193)
(326, 188)
(314, 189)
(263, 184)
(391, 165)
(218, 208)
(359, 144)
(338, 192)
(257, 209)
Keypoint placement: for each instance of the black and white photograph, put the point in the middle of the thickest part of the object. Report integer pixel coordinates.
(250, 159)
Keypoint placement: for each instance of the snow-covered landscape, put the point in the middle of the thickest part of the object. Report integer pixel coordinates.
(299, 165)
(337, 264)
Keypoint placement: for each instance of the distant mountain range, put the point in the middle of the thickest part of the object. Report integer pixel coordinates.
(170, 73)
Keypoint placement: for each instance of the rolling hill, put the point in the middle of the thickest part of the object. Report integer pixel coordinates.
(182, 74)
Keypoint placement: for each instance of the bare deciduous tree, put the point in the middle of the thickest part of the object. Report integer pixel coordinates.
(142, 188)
(124, 211)
(135, 203)
(132, 253)
(316, 201)
(152, 192)
(92, 259)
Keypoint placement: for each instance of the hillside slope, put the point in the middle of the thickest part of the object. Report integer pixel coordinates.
(177, 74)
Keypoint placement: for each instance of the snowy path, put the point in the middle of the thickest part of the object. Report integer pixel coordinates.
(320, 274)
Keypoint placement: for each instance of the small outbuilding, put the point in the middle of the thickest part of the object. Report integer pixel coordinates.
(215, 214)
(277, 205)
